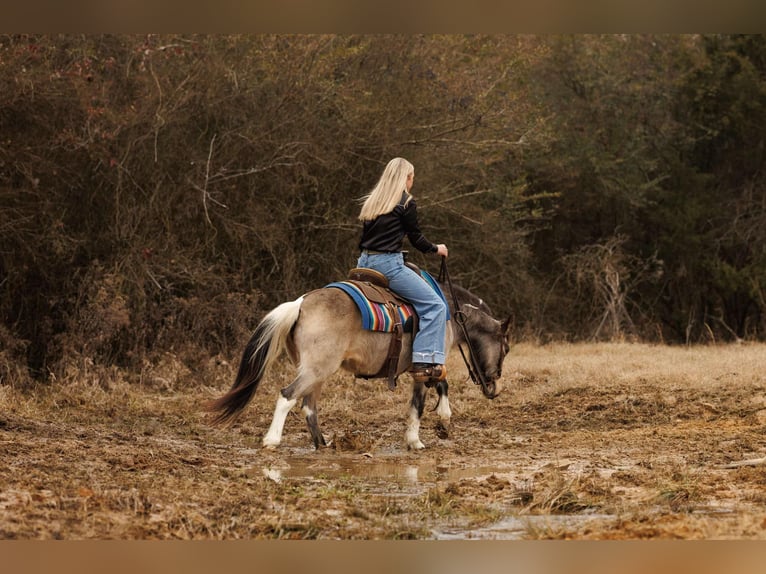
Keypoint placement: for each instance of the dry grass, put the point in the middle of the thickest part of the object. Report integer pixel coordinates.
(587, 441)
(611, 364)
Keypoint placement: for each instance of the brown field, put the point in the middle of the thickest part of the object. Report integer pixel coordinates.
(602, 441)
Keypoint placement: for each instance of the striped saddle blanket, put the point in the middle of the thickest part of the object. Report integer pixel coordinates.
(375, 316)
(379, 316)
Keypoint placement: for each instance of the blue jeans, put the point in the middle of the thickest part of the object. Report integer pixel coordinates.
(429, 342)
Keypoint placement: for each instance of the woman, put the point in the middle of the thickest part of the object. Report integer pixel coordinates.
(388, 214)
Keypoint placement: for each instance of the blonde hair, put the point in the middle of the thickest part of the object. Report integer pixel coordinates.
(388, 191)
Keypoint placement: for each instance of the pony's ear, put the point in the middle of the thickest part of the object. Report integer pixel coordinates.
(507, 328)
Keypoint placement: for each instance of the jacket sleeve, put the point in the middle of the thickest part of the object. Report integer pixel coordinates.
(412, 229)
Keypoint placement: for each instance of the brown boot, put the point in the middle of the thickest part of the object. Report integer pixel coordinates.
(428, 373)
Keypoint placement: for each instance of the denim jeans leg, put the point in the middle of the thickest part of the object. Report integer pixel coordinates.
(429, 343)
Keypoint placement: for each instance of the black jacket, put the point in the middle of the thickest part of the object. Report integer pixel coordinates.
(386, 232)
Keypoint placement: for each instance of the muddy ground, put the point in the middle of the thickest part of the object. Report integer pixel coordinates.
(609, 441)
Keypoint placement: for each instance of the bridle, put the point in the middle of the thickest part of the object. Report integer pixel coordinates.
(471, 362)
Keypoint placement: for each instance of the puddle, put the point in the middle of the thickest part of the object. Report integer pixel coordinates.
(393, 476)
(374, 470)
(517, 527)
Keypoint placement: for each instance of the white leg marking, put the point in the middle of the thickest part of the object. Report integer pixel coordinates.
(444, 412)
(411, 472)
(274, 436)
(412, 436)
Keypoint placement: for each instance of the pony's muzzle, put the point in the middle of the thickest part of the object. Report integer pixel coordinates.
(492, 389)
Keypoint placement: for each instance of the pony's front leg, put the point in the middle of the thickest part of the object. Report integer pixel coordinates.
(274, 436)
(443, 410)
(417, 404)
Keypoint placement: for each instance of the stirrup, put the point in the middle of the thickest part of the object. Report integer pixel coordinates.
(429, 375)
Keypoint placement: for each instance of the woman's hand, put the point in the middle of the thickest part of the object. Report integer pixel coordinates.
(441, 249)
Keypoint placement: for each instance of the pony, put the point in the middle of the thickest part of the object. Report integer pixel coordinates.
(321, 332)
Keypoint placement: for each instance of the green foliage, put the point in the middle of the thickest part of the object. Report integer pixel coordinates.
(721, 105)
(659, 140)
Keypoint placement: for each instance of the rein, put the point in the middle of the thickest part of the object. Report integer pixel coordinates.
(471, 361)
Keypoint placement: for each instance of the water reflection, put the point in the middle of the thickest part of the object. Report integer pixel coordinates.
(373, 470)
(398, 476)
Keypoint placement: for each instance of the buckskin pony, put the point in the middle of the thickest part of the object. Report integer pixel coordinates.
(322, 331)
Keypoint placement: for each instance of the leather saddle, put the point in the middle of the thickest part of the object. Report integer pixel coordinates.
(376, 278)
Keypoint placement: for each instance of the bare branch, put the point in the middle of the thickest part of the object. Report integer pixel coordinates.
(207, 179)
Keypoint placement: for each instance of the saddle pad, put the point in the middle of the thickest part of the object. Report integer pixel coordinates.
(375, 316)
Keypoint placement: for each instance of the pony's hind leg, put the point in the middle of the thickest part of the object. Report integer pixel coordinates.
(310, 410)
(417, 404)
(302, 386)
(274, 435)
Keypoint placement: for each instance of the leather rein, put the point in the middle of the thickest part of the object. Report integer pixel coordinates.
(471, 362)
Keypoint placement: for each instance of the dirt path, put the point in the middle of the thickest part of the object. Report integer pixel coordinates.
(586, 442)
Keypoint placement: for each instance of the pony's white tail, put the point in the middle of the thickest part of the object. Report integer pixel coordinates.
(264, 347)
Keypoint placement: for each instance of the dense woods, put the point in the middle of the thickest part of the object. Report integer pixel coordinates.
(159, 193)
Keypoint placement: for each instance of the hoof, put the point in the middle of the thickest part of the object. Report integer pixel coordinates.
(416, 446)
(270, 443)
(442, 431)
